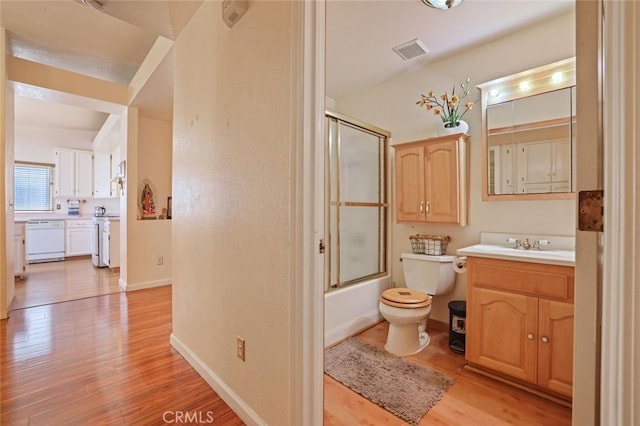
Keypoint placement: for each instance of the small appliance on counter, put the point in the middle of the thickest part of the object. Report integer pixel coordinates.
(100, 211)
(73, 207)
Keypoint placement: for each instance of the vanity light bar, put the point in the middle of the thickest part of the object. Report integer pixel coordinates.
(557, 75)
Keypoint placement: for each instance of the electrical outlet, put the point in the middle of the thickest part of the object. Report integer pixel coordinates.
(58, 206)
(160, 260)
(240, 347)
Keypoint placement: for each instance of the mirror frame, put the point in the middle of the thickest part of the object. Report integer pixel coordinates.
(509, 90)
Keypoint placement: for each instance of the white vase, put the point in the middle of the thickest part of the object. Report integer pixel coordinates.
(462, 127)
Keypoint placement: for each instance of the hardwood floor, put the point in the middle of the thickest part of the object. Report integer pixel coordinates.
(101, 360)
(54, 282)
(472, 400)
(107, 360)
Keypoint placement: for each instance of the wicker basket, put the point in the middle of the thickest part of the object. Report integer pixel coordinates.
(434, 245)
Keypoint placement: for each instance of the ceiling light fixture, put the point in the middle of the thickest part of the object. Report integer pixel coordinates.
(442, 4)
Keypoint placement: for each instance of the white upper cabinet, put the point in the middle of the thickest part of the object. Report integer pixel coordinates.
(73, 173)
(102, 174)
(115, 170)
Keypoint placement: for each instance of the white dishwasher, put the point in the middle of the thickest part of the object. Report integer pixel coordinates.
(44, 240)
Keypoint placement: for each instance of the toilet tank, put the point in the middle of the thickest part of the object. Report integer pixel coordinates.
(432, 274)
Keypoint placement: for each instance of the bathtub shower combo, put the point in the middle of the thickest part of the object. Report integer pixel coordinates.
(356, 224)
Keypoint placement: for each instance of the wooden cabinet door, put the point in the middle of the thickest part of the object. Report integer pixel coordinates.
(441, 182)
(501, 332)
(410, 198)
(555, 346)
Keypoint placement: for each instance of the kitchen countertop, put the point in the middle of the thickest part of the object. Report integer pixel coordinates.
(24, 218)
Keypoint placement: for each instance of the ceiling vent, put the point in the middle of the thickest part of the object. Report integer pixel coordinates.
(411, 49)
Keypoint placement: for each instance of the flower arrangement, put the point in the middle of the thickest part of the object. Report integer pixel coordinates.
(446, 106)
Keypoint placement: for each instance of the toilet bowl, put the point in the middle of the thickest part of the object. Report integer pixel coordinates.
(407, 312)
(407, 309)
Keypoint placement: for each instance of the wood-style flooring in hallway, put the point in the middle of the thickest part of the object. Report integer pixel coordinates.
(101, 360)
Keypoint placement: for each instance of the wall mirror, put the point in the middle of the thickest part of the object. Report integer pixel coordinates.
(528, 134)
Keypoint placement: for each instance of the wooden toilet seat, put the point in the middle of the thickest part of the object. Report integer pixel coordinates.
(405, 298)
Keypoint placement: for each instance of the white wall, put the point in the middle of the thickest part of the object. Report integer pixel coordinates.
(232, 169)
(38, 144)
(391, 106)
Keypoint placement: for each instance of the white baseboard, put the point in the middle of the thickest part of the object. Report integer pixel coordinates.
(238, 406)
(139, 286)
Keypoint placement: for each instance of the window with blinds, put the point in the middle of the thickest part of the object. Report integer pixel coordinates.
(32, 187)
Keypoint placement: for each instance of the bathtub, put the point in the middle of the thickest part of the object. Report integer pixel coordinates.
(349, 310)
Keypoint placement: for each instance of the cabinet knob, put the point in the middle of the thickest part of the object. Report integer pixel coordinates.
(530, 336)
(545, 339)
(428, 207)
(421, 207)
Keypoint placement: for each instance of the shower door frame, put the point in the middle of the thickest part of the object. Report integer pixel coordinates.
(384, 193)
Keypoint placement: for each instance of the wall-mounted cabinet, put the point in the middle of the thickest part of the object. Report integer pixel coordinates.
(431, 180)
(73, 173)
(520, 322)
(116, 159)
(102, 174)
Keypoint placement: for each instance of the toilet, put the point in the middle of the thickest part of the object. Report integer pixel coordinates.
(407, 309)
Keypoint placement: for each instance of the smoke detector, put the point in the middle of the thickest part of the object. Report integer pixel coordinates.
(232, 11)
(93, 4)
(411, 49)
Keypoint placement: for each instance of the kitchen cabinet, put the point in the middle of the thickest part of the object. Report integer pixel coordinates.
(73, 173)
(111, 243)
(19, 251)
(431, 180)
(116, 158)
(102, 175)
(78, 237)
(520, 322)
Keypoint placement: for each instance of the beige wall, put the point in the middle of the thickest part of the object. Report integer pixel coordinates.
(150, 239)
(232, 205)
(7, 286)
(391, 106)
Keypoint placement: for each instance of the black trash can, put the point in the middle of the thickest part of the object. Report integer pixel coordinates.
(457, 325)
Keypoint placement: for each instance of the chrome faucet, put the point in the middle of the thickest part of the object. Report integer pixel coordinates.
(526, 245)
(538, 243)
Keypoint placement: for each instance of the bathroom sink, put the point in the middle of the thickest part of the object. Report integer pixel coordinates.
(555, 257)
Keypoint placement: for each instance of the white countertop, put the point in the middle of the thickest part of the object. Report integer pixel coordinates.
(23, 218)
(560, 251)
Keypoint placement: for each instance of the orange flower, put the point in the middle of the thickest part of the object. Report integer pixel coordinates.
(448, 107)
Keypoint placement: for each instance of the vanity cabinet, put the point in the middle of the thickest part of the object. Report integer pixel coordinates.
(520, 322)
(431, 180)
(73, 173)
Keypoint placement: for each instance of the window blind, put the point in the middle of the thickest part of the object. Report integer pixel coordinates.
(32, 187)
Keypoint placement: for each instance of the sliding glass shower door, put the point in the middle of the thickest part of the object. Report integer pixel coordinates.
(356, 194)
